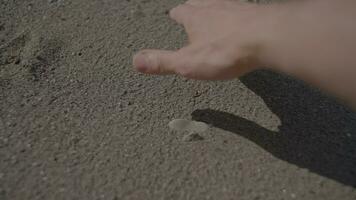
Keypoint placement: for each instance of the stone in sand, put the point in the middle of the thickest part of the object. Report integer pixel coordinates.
(191, 137)
(188, 125)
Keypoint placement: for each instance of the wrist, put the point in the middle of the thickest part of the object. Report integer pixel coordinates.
(275, 32)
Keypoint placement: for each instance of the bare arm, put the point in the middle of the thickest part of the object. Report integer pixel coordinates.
(313, 40)
(317, 43)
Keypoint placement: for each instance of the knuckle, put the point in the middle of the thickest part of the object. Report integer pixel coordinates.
(181, 12)
(182, 70)
(185, 70)
(173, 12)
(176, 12)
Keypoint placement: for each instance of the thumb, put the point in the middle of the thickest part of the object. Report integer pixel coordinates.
(156, 61)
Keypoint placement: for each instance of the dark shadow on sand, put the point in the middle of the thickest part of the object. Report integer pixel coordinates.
(317, 133)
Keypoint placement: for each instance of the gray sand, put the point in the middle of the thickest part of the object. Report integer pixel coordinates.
(76, 121)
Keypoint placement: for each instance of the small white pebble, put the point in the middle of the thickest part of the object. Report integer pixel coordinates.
(191, 137)
(188, 125)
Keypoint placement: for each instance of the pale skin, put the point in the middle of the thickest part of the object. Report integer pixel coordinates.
(313, 40)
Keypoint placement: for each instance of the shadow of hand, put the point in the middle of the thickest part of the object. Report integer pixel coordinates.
(316, 132)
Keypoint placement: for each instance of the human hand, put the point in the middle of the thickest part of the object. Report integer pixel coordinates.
(223, 41)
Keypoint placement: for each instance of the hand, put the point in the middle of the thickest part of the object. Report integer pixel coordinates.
(223, 42)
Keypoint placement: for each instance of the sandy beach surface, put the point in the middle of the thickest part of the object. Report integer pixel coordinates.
(77, 122)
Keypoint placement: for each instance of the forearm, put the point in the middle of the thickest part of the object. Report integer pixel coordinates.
(316, 42)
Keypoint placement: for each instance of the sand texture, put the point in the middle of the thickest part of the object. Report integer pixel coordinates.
(77, 122)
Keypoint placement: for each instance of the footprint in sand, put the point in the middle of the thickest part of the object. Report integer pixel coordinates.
(10, 52)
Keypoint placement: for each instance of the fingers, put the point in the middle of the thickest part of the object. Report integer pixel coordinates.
(156, 61)
(201, 2)
(196, 2)
(182, 13)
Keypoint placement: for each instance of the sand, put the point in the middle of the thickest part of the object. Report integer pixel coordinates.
(77, 122)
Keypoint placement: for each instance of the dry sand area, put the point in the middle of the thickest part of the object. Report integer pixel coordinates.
(77, 122)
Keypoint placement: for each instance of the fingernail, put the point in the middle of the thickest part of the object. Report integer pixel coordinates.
(142, 61)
